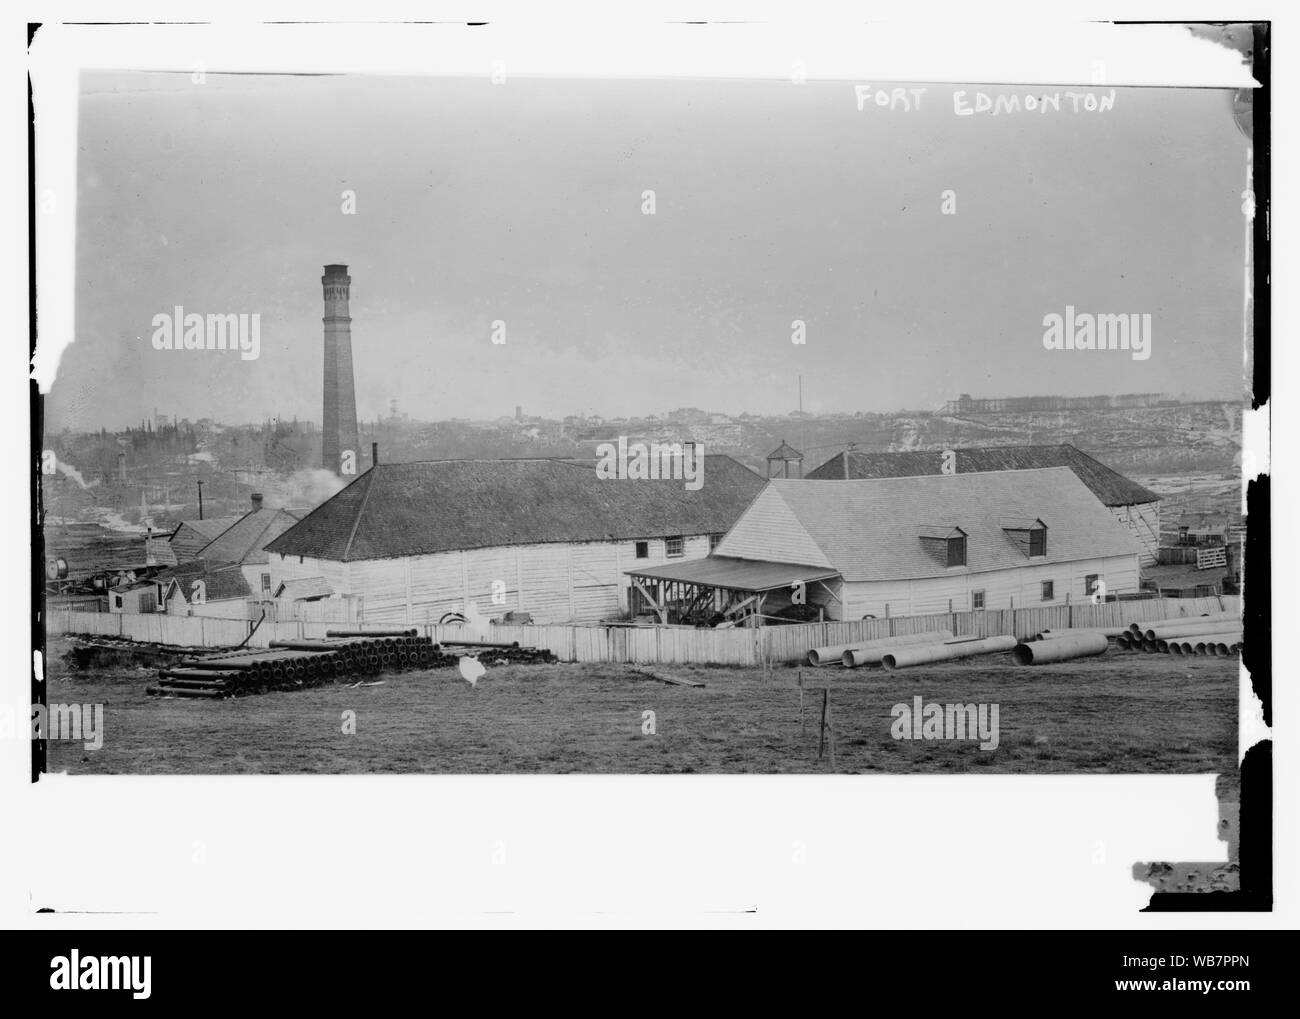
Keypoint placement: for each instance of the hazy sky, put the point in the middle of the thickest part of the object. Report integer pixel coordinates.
(522, 202)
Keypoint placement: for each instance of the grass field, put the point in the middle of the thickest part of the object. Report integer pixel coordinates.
(1121, 713)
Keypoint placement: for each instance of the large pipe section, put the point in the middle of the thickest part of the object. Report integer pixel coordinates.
(873, 652)
(920, 654)
(1065, 631)
(1149, 624)
(1165, 631)
(1215, 643)
(842, 652)
(1059, 649)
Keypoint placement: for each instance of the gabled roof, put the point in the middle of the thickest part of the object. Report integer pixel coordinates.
(1021, 523)
(208, 527)
(446, 505)
(785, 452)
(939, 531)
(245, 540)
(220, 580)
(1111, 487)
(868, 530)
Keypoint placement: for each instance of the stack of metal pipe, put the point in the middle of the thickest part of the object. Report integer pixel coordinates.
(1218, 634)
(290, 664)
(497, 651)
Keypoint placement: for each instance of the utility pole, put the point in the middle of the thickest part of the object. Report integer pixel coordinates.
(200, 500)
(803, 425)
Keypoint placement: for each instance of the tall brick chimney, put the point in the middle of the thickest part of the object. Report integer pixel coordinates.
(339, 419)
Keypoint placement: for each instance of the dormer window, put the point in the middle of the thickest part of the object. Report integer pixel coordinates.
(945, 543)
(1029, 533)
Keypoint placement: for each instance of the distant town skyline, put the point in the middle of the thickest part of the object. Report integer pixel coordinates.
(920, 250)
(169, 418)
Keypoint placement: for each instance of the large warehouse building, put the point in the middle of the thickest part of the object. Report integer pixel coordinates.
(1133, 505)
(546, 537)
(908, 546)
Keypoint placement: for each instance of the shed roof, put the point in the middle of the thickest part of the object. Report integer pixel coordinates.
(868, 530)
(736, 574)
(406, 509)
(304, 589)
(1108, 485)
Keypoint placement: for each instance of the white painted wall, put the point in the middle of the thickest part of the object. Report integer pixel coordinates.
(1023, 584)
(581, 582)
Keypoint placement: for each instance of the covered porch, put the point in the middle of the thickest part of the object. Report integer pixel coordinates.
(723, 591)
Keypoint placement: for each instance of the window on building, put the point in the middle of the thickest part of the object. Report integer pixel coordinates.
(643, 550)
(1038, 541)
(1048, 590)
(957, 550)
(977, 599)
(117, 601)
(266, 582)
(714, 541)
(675, 546)
(1090, 584)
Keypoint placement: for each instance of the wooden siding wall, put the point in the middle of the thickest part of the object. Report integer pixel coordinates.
(290, 568)
(253, 577)
(1000, 587)
(1143, 522)
(140, 599)
(580, 582)
(223, 608)
(658, 644)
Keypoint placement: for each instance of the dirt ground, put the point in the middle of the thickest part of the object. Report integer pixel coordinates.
(1121, 713)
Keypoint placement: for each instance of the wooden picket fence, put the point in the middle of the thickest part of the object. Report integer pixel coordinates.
(655, 644)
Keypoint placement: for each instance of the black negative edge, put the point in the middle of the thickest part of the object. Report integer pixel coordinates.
(1255, 846)
(38, 686)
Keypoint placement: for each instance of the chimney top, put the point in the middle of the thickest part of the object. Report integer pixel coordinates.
(256, 497)
(336, 270)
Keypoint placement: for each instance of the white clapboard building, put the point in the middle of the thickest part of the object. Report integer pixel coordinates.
(416, 541)
(910, 546)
